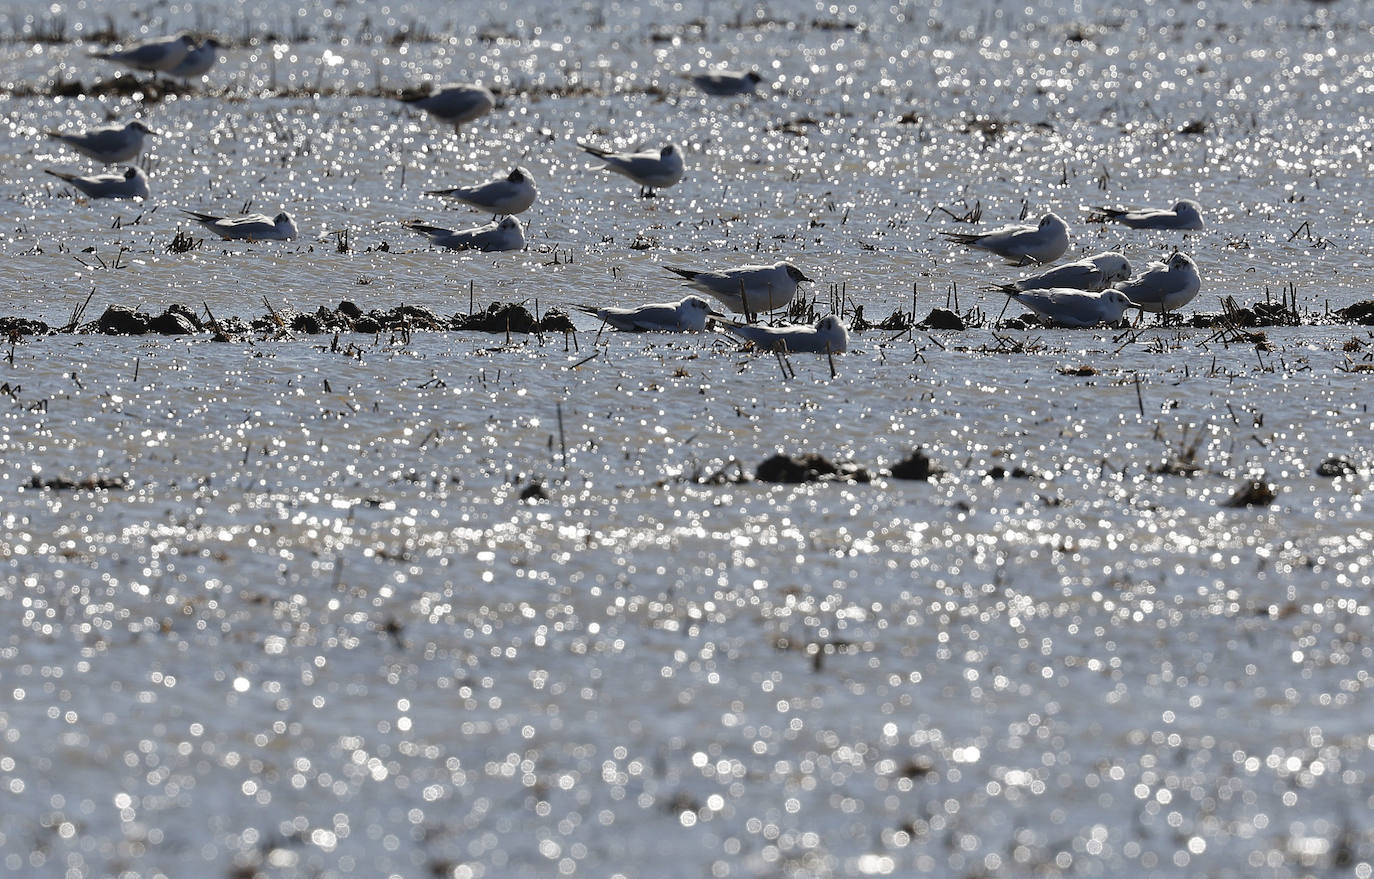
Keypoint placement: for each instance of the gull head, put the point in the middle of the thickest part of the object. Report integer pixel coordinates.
(1119, 299)
(836, 336)
(1114, 266)
(285, 224)
(518, 175)
(1051, 221)
(754, 76)
(139, 126)
(1189, 210)
(667, 151)
(212, 43)
(510, 224)
(1180, 261)
(695, 311)
(187, 40)
(795, 274)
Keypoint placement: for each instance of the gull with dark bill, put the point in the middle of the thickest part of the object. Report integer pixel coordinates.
(199, 60)
(828, 336)
(1167, 286)
(651, 169)
(108, 144)
(1093, 273)
(1043, 242)
(725, 83)
(689, 315)
(1184, 216)
(1075, 308)
(151, 56)
(512, 194)
(249, 227)
(133, 183)
(508, 234)
(747, 289)
(454, 104)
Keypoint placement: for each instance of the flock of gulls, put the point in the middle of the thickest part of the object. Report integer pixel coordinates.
(1088, 292)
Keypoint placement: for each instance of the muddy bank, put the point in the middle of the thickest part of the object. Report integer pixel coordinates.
(346, 317)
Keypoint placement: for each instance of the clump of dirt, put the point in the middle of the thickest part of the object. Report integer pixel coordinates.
(917, 465)
(1251, 493)
(809, 467)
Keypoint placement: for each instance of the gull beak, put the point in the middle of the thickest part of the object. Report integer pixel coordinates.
(806, 279)
(713, 313)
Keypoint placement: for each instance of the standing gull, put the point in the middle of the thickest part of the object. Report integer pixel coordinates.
(151, 56)
(1042, 243)
(454, 104)
(1168, 286)
(512, 194)
(1093, 273)
(748, 289)
(110, 144)
(651, 170)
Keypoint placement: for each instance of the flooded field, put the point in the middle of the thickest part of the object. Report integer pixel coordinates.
(452, 603)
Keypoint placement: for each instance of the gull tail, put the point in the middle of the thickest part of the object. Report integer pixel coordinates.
(963, 237)
(1009, 289)
(203, 218)
(594, 150)
(422, 229)
(684, 273)
(68, 178)
(457, 190)
(1101, 214)
(588, 309)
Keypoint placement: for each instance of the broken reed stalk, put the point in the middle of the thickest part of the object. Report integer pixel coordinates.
(78, 312)
(562, 446)
(208, 313)
(1139, 400)
(275, 317)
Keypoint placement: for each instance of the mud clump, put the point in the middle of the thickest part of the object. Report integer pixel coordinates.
(178, 320)
(534, 493)
(809, 467)
(1359, 313)
(120, 320)
(917, 465)
(943, 319)
(1336, 466)
(22, 326)
(1252, 493)
(90, 483)
(500, 317)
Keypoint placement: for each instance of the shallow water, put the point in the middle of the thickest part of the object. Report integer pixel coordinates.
(319, 633)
